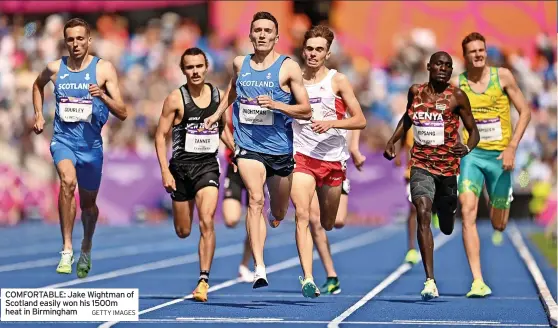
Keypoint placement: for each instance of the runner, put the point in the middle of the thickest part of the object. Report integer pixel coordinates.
(319, 236)
(86, 90)
(268, 92)
(192, 176)
(434, 109)
(321, 145)
(490, 90)
(232, 206)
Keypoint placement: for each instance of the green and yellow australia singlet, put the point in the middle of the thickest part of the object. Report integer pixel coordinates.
(491, 110)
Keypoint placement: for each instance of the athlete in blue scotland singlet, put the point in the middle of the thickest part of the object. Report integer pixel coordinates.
(86, 89)
(268, 92)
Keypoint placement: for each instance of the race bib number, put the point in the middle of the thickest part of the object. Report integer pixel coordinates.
(73, 110)
(200, 140)
(490, 130)
(429, 133)
(251, 113)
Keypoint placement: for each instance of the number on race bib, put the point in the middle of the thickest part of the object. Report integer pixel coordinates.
(73, 110)
(490, 129)
(200, 140)
(429, 133)
(251, 113)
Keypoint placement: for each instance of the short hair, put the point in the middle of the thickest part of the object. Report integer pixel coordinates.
(320, 31)
(264, 15)
(75, 22)
(194, 51)
(475, 36)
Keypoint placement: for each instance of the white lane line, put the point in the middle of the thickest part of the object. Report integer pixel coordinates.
(234, 249)
(550, 306)
(439, 241)
(341, 246)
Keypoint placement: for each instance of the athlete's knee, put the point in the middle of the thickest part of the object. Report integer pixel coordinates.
(424, 214)
(90, 212)
(302, 215)
(339, 223)
(206, 222)
(256, 200)
(182, 231)
(68, 183)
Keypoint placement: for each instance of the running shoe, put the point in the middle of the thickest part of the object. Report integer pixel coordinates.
(66, 261)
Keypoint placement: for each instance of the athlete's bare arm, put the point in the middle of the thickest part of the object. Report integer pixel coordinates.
(516, 96)
(354, 149)
(227, 136)
(464, 111)
(171, 107)
(302, 109)
(356, 121)
(404, 124)
(48, 74)
(229, 96)
(113, 100)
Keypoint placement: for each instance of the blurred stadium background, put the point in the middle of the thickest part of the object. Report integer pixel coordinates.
(381, 46)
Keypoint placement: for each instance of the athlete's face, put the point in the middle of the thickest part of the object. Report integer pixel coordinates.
(263, 35)
(440, 68)
(195, 69)
(315, 52)
(475, 54)
(77, 41)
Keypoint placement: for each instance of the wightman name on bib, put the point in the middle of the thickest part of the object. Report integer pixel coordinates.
(78, 304)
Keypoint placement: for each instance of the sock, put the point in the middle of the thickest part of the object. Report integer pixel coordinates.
(204, 276)
(332, 278)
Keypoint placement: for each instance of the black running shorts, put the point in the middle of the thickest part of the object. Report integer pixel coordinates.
(192, 177)
(435, 187)
(234, 185)
(281, 165)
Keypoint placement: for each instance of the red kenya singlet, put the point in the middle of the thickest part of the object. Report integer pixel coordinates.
(435, 132)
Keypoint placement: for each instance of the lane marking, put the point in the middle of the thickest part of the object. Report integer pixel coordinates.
(234, 249)
(549, 304)
(439, 241)
(338, 247)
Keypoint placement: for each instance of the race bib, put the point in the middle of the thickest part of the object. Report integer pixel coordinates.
(73, 110)
(490, 129)
(200, 140)
(430, 133)
(251, 113)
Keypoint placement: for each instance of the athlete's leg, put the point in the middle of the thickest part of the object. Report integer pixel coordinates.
(206, 203)
(232, 211)
(279, 188)
(445, 202)
(319, 236)
(412, 255)
(301, 196)
(89, 171)
(343, 209)
(253, 174)
(65, 161)
(471, 180)
(499, 182)
(423, 190)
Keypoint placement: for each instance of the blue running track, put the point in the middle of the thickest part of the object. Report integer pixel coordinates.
(378, 290)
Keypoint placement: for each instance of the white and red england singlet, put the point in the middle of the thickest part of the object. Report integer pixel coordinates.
(330, 146)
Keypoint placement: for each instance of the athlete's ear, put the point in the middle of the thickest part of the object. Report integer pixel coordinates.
(428, 67)
(328, 55)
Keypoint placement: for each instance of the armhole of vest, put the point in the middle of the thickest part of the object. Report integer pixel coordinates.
(497, 79)
(332, 73)
(182, 93)
(63, 63)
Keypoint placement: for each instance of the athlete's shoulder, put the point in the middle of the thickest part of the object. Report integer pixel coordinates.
(414, 89)
(54, 66)
(104, 64)
(237, 61)
(505, 76)
(291, 65)
(174, 98)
